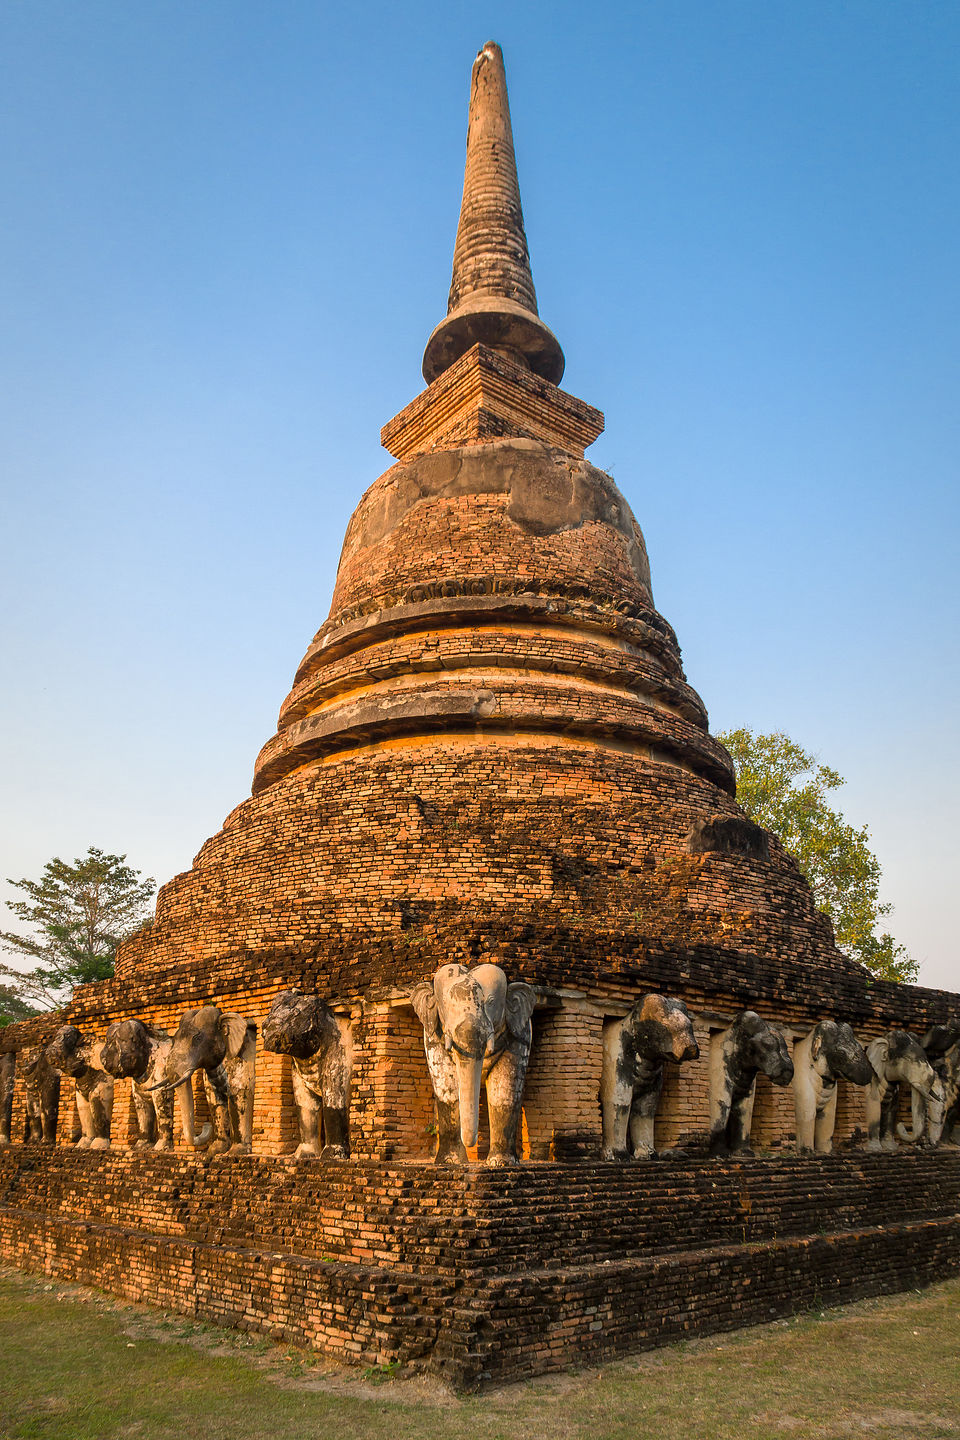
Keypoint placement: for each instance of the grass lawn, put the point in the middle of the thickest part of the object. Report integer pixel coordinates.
(77, 1365)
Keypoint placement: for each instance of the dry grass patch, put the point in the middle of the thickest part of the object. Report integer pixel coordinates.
(77, 1365)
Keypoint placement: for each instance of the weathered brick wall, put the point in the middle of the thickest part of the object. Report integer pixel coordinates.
(466, 1272)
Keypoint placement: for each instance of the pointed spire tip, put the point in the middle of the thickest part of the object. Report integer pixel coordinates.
(492, 298)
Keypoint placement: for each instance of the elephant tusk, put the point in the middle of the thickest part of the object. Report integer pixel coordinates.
(164, 1085)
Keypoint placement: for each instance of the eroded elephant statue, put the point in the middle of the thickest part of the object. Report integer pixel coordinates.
(133, 1050)
(750, 1046)
(830, 1052)
(476, 1031)
(898, 1059)
(8, 1070)
(41, 1096)
(75, 1054)
(635, 1049)
(941, 1045)
(222, 1046)
(305, 1028)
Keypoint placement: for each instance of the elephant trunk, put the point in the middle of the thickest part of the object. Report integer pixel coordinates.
(469, 1074)
(918, 1119)
(927, 1114)
(936, 1115)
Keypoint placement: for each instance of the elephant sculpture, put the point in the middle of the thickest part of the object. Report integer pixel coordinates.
(133, 1050)
(222, 1045)
(829, 1052)
(898, 1059)
(941, 1045)
(305, 1028)
(635, 1050)
(8, 1069)
(476, 1031)
(41, 1097)
(74, 1054)
(749, 1046)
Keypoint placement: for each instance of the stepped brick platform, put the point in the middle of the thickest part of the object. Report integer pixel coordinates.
(475, 1274)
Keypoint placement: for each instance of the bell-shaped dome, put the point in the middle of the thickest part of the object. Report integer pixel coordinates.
(500, 587)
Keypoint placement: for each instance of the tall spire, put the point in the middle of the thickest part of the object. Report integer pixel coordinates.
(492, 300)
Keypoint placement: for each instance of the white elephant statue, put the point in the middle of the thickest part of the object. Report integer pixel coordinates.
(76, 1055)
(898, 1059)
(829, 1052)
(222, 1045)
(41, 1095)
(305, 1028)
(941, 1045)
(747, 1047)
(635, 1049)
(476, 1031)
(133, 1050)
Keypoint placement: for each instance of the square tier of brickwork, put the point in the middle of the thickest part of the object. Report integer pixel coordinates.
(474, 1274)
(487, 396)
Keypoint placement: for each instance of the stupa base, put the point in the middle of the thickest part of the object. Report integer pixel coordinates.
(475, 1274)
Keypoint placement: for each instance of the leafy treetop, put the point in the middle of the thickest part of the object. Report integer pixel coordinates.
(785, 789)
(79, 913)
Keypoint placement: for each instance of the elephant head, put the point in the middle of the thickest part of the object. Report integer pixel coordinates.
(299, 1025)
(66, 1052)
(126, 1050)
(474, 1014)
(941, 1038)
(29, 1063)
(203, 1040)
(660, 1028)
(761, 1047)
(941, 1045)
(835, 1044)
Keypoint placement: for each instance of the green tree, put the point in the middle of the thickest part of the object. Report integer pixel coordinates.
(79, 914)
(12, 1007)
(784, 789)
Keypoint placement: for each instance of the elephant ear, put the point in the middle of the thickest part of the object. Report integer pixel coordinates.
(110, 1048)
(521, 1000)
(424, 1002)
(234, 1028)
(877, 1053)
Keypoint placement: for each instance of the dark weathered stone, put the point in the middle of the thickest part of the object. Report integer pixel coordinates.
(729, 835)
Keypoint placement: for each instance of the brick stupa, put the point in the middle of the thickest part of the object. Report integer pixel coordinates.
(491, 751)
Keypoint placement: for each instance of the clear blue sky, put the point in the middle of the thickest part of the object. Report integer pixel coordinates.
(227, 232)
